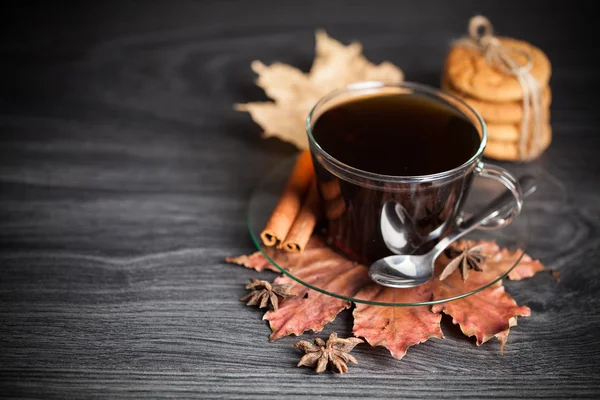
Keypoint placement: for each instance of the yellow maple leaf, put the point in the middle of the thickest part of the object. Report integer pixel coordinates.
(294, 93)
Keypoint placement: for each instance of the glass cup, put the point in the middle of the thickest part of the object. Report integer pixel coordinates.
(370, 216)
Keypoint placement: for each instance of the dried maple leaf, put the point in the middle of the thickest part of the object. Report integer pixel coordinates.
(335, 352)
(320, 266)
(295, 93)
(255, 261)
(486, 314)
(490, 312)
(498, 260)
(396, 328)
(309, 310)
(504, 259)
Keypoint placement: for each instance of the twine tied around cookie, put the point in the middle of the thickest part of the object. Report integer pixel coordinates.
(481, 38)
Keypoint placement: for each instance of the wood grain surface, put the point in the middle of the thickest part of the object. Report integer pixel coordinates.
(124, 180)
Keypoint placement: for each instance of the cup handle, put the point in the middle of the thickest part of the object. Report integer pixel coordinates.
(501, 217)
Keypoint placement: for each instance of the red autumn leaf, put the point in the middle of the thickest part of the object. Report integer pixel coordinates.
(308, 310)
(396, 328)
(256, 261)
(504, 259)
(320, 266)
(500, 260)
(490, 312)
(486, 314)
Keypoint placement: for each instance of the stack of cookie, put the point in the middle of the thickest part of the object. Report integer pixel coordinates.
(498, 97)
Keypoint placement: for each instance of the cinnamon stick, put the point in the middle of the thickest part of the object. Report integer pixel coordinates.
(288, 206)
(305, 222)
(330, 189)
(335, 208)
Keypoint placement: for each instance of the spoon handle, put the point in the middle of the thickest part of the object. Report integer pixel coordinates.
(496, 207)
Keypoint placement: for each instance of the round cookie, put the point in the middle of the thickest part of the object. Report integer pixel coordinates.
(509, 151)
(503, 132)
(470, 73)
(510, 132)
(503, 113)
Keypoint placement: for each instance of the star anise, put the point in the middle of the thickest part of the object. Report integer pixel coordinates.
(263, 292)
(336, 351)
(467, 258)
(433, 216)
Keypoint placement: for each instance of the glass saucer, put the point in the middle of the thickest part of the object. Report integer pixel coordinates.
(263, 200)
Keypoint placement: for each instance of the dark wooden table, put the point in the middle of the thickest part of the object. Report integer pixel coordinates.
(124, 180)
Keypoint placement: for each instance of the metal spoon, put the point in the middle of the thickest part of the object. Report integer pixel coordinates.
(403, 271)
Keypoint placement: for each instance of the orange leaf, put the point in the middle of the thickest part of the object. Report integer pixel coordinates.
(504, 259)
(486, 314)
(396, 328)
(322, 267)
(500, 260)
(308, 310)
(256, 261)
(490, 312)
